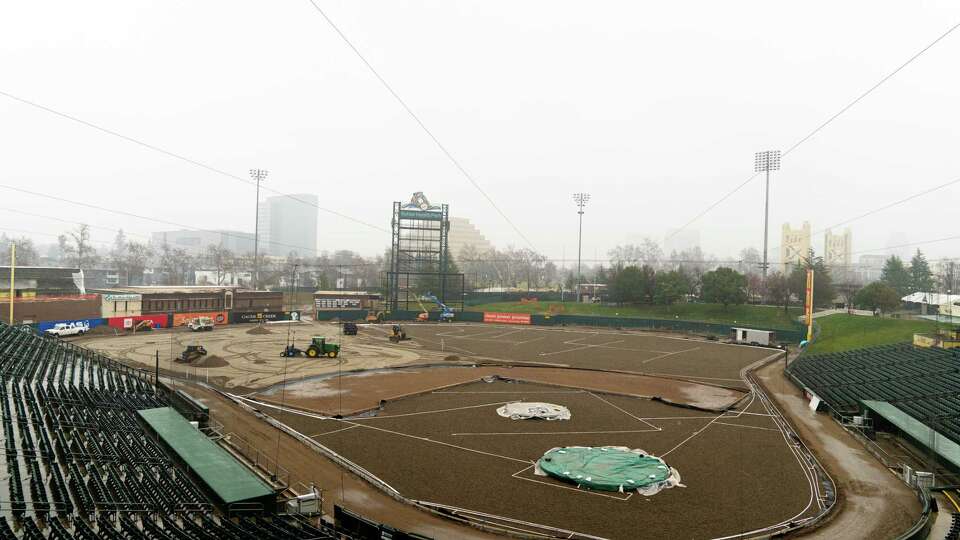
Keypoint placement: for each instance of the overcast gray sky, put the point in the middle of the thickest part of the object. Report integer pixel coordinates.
(655, 108)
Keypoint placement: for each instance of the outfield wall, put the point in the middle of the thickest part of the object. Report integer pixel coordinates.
(667, 325)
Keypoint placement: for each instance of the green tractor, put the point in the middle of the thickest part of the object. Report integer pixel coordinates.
(318, 347)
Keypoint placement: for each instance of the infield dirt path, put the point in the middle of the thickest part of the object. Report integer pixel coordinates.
(873, 503)
(355, 393)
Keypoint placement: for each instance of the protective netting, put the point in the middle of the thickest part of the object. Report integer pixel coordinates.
(526, 410)
(609, 468)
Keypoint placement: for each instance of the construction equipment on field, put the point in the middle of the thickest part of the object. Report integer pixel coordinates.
(397, 334)
(374, 316)
(350, 329)
(191, 353)
(318, 347)
(425, 315)
(143, 325)
(446, 312)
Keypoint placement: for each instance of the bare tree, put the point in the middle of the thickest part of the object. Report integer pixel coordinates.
(135, 261)
(26, 251)
(76, 249)
(222, 260)
(648, 253)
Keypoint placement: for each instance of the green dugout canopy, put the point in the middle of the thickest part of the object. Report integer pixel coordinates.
(226, 477)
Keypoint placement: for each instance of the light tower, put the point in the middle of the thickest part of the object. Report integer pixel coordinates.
(258, 175)
(581, 200)
(766, 161)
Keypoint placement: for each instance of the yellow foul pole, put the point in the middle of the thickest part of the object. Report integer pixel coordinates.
(808, 308)
(13, 265)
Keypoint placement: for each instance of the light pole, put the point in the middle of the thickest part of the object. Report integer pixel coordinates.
(766, 161)
(259, 175)
(581, 200)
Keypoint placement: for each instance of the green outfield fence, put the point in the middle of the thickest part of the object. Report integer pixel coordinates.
(668, 325)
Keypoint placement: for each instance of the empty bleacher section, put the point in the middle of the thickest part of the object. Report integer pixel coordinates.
(80, 465)
(922, 382)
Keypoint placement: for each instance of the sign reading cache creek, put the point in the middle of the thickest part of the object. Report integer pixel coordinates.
(609, 468)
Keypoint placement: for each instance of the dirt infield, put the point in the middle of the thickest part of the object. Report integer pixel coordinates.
(449, 447)
(251, 358)
(355, 393)
(650, 354)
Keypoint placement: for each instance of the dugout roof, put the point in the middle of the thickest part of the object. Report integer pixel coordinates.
(944, 447)
(230, 480)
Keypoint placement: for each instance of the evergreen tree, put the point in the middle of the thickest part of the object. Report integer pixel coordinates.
(921, 278)
(896, 275)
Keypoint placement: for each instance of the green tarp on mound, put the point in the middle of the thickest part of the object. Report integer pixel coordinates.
(608, 468)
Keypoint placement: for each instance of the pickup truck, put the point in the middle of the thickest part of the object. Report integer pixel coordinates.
(68, 329)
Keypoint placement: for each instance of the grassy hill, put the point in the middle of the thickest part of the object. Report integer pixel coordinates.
(747, 315)
(842, 332)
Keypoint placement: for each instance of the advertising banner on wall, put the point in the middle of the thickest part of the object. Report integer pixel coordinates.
(506, 318)
(338, 303)
(126, 323)
(90, 323)
(181, 319)
(265, 316)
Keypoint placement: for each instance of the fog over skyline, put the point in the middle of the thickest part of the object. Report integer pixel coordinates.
(654, 109)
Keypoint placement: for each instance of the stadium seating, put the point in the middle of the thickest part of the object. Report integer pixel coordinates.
(954, 532)
(80, 466)
(922, 382)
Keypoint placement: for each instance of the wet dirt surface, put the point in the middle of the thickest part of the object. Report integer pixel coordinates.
(873, 502)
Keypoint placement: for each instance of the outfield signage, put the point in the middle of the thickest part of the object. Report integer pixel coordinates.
(506, 318)
(182, 319)
(338, 303)
(265, 316)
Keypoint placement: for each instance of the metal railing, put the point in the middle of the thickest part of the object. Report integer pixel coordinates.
(258, 458)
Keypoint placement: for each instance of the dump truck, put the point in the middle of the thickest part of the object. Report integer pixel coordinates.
(318, 347)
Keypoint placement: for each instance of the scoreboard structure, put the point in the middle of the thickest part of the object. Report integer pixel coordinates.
(419, 256)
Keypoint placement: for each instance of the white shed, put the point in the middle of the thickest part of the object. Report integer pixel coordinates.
(753, 336)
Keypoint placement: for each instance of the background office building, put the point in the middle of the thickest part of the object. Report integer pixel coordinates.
(286, 225)
(197, 242)
(464, 234)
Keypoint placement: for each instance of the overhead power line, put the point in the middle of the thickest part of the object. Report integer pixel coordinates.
(887, 206)
(819, 128)
(138, 216)
(54, 218)
(419, 122)
(180, 157)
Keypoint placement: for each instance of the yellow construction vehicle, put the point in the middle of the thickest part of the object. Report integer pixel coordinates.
(397, 334)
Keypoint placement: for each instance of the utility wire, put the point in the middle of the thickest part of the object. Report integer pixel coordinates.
(884, 207)
(820, 127)
(420, 123)
(127, 233)
(181, 157)
(138, 216)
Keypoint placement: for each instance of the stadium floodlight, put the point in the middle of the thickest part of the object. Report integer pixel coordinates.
(766, 161)
(258, 175)
(581, 200)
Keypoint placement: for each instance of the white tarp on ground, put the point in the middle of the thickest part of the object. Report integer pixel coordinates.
(526, 410)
